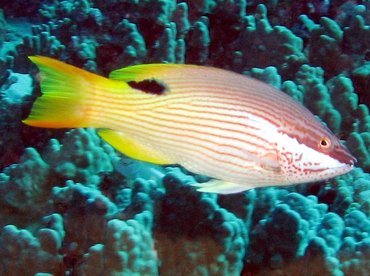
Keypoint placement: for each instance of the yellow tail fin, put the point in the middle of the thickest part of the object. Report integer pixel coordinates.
(67, 95)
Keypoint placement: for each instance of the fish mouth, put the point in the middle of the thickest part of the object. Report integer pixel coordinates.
(349, 159)
(346, 162)
(346, 168)
(343, 155)
(341, 169)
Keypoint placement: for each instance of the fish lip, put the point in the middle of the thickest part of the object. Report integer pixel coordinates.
(349, 167)
(344, 156)
(345, 168)
(340, 170)
(351, 161)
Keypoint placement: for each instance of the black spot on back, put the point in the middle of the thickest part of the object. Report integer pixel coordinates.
(150, 86)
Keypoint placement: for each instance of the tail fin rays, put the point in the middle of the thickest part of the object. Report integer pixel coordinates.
(65, 90)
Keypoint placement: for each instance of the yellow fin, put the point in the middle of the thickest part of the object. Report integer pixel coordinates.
(67, 93)
(132, 148)
(145, 71)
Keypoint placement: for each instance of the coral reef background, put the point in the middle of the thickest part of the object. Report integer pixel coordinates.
(69, 206)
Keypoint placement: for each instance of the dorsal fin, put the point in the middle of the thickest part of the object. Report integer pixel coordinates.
(145, 71)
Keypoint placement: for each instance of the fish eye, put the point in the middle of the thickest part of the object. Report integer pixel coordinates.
(325, 143)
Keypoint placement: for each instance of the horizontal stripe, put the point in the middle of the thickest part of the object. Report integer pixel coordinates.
(223, 104)
(199, 155)
(254, 105)
(193, 137)
(178, 136)
(197, 128)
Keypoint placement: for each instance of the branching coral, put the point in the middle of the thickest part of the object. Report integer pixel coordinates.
(337, 49)
(24, 254)
(283, 236)
(81, 156)
(127, 249)
(275, 45)
(207, 238)
(26, 186)
(299, 231)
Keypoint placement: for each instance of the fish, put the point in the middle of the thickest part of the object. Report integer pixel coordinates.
(240, 132)
(132, 169)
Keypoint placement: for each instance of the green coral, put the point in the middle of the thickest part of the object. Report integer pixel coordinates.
(316, 96)
(274, 45)
(25, 254)
(127, 249)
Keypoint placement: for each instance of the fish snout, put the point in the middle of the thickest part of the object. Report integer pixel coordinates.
(344, 156)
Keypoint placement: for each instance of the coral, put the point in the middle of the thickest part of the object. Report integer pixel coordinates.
(26, 186)
(316, 96)
(318, 253)
(340, 196)
(344, 99)
(165, 51)
(202, 6)
(14, 92)
(80, 156)
(284, 235)
(360, 143)
(361, 81)
(207, 238)
(359, 140)
(181, 19)
(246, 207)
(269, 75)
(358, 28)
(335, 48)
(3, 28)
(126, 46)
(16, 88)
(82, 231)
(325, 47)
(4, 71)
(25, 254)
(80, 12)
(299, 231)
(276, 46)
(363, 119)
(71, 209)
(127, 249)
(287, 12)
(40, 43)
(85, 48)
(347, 12)
(199, 43)
(355, 251)
(291, 88)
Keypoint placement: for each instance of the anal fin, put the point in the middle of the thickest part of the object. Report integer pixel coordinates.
(133, 148)
(220, 187)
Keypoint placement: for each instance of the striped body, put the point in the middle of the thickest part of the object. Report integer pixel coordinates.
(216, 123)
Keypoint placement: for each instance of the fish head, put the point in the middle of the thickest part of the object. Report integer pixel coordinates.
(313, 156)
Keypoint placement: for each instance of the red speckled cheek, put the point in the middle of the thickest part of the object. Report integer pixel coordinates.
(301, 163)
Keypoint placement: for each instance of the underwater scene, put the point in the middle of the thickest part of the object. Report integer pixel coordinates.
(116, 158)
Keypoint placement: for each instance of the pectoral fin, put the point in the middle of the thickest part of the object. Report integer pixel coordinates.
(133, 148)
(267, 162)
(220, 187)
